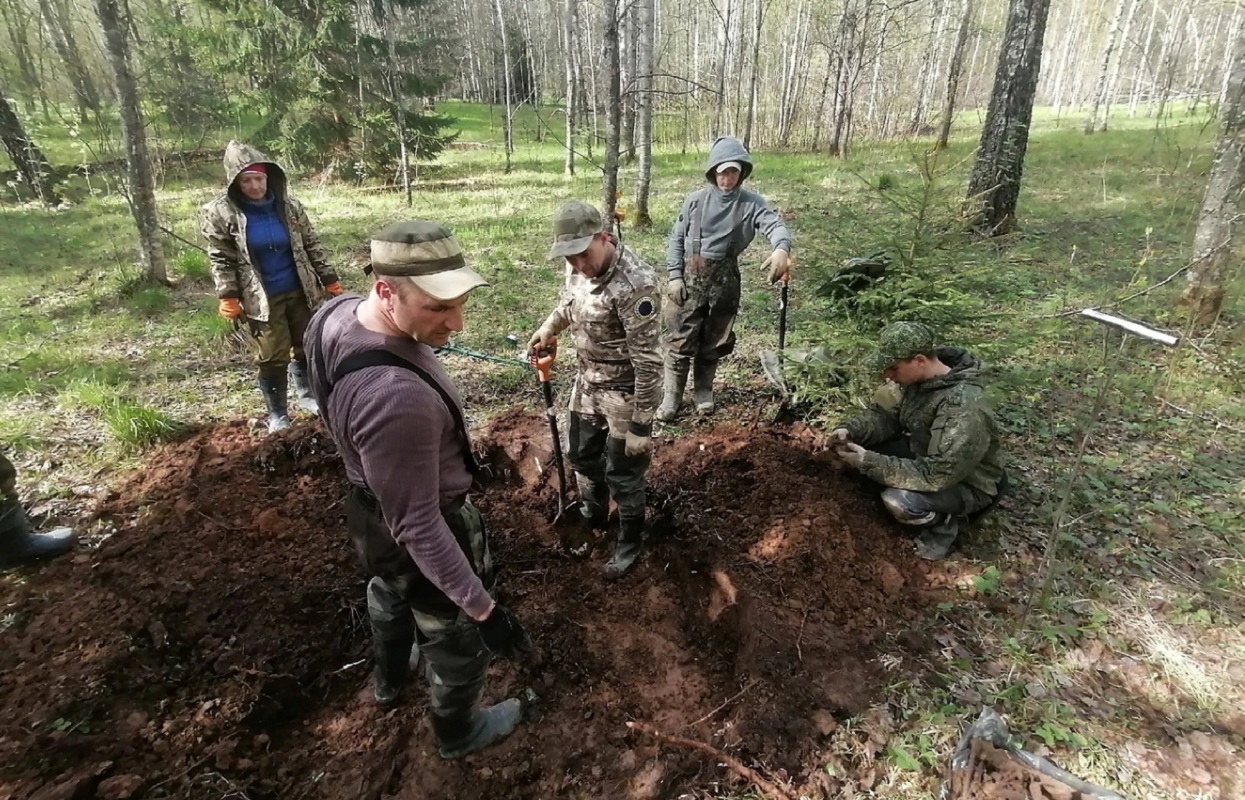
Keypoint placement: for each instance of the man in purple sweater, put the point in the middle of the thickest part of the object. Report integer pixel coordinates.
(398, 423)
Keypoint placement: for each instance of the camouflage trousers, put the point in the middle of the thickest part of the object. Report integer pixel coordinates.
(282, 334)
(703, 328)
(599, 420)
(960, 500)
(406, 609)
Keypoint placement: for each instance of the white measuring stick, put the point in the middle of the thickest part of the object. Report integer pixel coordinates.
(1134, 328)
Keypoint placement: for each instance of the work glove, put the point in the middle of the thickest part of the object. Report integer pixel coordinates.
(503, 635)
(230, 307)
(779, 263)
(676, 290)
(852, 454)
(637, 444)
(334, 288)
(543, 339)
(839, 437)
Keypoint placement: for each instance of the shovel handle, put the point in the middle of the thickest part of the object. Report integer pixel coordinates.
(543, 360)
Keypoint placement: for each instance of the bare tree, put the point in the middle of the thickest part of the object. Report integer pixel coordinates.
(141, 180)
(613, 114)
(953, 74)
(994, 185)
(757, 16)
(507, 89)
(570, 22)
(26, 155)
(1212, 242)
(1100, 89)
(1114, 79)
(644, 122)
(60, 31)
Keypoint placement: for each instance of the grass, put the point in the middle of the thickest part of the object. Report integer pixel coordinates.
(1149, 590)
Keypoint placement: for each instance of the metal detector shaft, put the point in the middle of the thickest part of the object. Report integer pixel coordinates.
(782, 316)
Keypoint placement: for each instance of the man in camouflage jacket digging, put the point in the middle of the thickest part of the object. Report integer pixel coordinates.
(611, 304)
(935, 446)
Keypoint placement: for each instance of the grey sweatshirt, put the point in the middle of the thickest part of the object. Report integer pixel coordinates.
(730, 221)
(397, 438)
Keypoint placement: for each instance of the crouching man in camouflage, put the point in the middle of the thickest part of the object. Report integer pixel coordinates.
(935, 446)
(611, 303)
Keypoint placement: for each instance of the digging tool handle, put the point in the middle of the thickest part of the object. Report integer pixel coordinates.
(782, 316)
(544, 367)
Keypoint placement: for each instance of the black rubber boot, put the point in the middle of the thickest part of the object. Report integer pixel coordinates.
(394, 661)
(462, 737)
(937, 541)
(702, 386)
(675, 383)
(626, 549)
(20, 545)
(302, 388)
(274, 387)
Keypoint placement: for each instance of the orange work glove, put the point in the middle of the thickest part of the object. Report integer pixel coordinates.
(334, 288)
(230, 308)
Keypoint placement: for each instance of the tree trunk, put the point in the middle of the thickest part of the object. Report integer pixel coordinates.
(1100, 88)
(1143, 63)
(953, 74)
(644, 121)
(756, 71)
(1234, 33)
(142, 185)
(60, 31)
(507, 88)
(17, 21)
(569, 24)
(994, 186)
(1114, 80)
(629, 63)
(613, 114)
(925, 71)
(724, 49)
(1212, 242)
(28, 158)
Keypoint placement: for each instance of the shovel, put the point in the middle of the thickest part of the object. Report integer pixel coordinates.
(573, 534)
(771, 362)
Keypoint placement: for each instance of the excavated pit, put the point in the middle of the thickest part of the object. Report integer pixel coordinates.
(216, 644)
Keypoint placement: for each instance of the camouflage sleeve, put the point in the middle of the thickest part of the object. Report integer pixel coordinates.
(640, 313)
(959, 439)
(767, 221)
(560, 318)
(311, 243)
(223, 254)
(674, 245)
(873, 426)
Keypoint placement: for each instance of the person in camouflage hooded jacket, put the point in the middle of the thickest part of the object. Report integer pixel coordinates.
(270, 271)
(934, 444)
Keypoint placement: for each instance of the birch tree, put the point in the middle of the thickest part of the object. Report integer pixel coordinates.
(26, 155)
(994, 185)
(613, 113)
(1212, 241)
(644, 115)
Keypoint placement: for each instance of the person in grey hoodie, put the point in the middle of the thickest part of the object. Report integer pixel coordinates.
(715, 225)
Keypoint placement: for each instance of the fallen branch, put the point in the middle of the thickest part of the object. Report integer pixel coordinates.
(725, 703)
(766, 786)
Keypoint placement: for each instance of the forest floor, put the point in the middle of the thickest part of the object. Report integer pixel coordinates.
(209, 639)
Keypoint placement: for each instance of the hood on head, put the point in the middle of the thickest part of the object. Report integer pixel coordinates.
(728, 148)
(965, 367)
(238, 156)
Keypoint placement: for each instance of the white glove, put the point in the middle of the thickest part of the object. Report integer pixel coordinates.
(839, 437)
(542, 339)
(779, 263)
(676, 290)
(637, 445)
(853, 455)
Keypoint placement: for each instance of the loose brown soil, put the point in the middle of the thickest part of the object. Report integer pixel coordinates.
(214, 646)
(993, 774)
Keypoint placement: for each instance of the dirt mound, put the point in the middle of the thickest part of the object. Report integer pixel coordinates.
(215, 646)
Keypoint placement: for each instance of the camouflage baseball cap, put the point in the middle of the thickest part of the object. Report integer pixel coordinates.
(901, 341)
(427, 255)
(574, 225)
